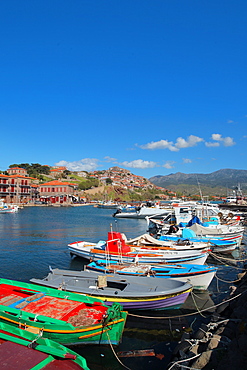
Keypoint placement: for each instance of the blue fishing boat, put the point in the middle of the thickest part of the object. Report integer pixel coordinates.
(217, 244)
(199, 276)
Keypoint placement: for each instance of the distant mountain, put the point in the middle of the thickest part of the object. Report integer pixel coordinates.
(215, 183)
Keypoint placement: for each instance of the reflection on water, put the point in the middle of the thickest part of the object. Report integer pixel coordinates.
(36, 237)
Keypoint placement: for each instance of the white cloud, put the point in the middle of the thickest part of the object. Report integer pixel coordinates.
(187, 160)
(226, 141)
(181, 143)
(216, 137)
(110, 159)
(192, 140)
(86, 164)
(139, 163)
(208, 144)
(230, 121)
(169, 164)
(161, 144)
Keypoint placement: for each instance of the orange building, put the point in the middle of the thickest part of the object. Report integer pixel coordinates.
(58, 192)
(15, 188)
(17, 171)
(57, 171)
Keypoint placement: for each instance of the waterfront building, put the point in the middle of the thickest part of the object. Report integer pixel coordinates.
(58, 192)
(15, 188)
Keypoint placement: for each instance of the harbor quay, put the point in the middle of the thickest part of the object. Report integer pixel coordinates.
(220, 343)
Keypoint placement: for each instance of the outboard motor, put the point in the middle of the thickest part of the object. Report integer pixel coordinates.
(117, 211)
(172, 229)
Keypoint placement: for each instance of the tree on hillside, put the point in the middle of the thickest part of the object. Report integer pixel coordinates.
(108, 181)
(88, 184)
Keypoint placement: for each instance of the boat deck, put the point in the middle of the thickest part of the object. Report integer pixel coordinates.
(76, 313)
(15, 356)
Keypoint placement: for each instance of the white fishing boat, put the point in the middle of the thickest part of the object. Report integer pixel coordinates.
(7, 208)
(148, 209)
(205, 223)
(146, 241)
(115, 248)
(109, 205)
(199, 276)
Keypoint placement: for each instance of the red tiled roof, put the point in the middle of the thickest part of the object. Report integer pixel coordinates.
(22, 177)
(16, 168)
(56, 182)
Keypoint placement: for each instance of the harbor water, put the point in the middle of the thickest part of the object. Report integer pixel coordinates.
(35, 238)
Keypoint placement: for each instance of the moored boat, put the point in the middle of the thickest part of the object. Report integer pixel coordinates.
(198, 276)
(210, 231)
(61, 316)
(178, 244)
(7, 208)
(115, 248)
(132, 292)
(216, 245)
(23, 349)
(108, 205)
(148, 209)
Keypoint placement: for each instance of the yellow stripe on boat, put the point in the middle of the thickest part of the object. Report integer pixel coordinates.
(113, 299)
(18, 323)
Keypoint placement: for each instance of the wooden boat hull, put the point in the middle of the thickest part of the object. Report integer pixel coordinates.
(89, 252)
(61, 316)
(217, 245)
(198, 276)
(19, 346)
(133, 293)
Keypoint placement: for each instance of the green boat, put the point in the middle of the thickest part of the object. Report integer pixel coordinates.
(65, 317)
(22, 349)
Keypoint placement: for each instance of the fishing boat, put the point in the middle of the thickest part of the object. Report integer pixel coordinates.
(179, 244)
(216, 245)
(232, 233)
(133, 293)
(108, 205)
(7, 208)
(21, 349)
(172, 225)
(65, 317)
(144, 210)
(115, 248)
(198, 276)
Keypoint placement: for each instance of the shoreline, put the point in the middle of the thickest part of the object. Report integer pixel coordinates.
(220, 343)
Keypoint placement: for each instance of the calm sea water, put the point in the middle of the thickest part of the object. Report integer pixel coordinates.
(36, 237)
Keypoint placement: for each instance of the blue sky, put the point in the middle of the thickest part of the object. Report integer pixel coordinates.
(156, 87)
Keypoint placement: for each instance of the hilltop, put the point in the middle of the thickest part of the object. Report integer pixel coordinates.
(216, 183)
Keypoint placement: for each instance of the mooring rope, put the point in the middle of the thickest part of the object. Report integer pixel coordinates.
(115, 353)
(227, 281)
(192, 295)
(225, 258)
(189, 314)
(185, 359)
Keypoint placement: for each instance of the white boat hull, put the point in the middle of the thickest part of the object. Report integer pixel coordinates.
(89, 252)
